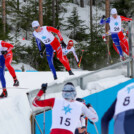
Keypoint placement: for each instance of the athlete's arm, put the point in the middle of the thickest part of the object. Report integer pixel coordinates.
(75, 55)
(38, 43)
(125, 19)
(104, 21)
(90, 113)
(7, 45)
(106, 118)
(42, 103)
(54, 30)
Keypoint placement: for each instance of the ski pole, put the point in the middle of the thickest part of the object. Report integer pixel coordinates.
(44, 51)
(96, 128)
(30, 97)
(81, 58)
(44, 120)
(86, 123)
(108, 49)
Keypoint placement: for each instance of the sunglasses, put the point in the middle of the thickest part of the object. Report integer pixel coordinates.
(36, 27)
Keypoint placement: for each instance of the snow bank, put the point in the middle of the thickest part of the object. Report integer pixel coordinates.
(15, 109)
(15, 113)
(19, 66)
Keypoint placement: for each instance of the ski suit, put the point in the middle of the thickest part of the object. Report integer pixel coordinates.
(51, 44)
(8, 57)
(124, 47)
(66, 51)
(64, 117)
(122, 110)
(118, 38)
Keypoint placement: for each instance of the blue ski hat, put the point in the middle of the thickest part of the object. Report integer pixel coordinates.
(69, 91)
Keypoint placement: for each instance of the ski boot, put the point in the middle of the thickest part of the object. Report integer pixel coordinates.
(55, 78)
(122, 58)
(4, 94)
(16, 83)
(70, 72)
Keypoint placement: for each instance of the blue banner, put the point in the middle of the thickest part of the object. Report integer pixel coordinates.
(101, 101)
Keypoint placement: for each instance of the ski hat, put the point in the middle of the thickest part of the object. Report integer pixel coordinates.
(70, 44)
(35, 24)
(113, 11)
(69, 91)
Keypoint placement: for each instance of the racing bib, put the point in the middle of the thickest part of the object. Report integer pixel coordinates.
(115, 24)
(66, 114)
(45, 36)
(125, 99)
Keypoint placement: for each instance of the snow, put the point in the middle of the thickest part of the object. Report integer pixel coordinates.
(15, 109)
(20, 65)
(15, 113)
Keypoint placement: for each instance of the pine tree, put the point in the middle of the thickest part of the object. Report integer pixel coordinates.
(77, 27)
(95, 54)
(122, 7)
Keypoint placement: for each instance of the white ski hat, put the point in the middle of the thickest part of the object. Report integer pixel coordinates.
(113, 11)
(35, 24)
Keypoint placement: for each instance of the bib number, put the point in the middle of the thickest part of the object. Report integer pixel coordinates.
(116, 28)
(47, 41)
(126, 101)
(66, 122)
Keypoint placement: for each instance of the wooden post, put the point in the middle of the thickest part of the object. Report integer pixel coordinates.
(53, 12)
(91, 19)
(4, 15)
(82, 3)
(40, 13)
(107, 7)
(57, 14)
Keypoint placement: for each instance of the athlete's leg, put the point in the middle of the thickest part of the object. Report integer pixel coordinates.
(49, 54)
(116, 40)
(65, 57)
(123, 42)
(129, 122)
(8, 60)
(115, 48)
(119, 124)
(57, 47)
(2, 69)
(2, 78)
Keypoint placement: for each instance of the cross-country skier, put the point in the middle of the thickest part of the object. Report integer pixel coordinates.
(66, 111)
(51, 43)
(82, 124)
(2, 69)
(124, 48)
(115, 29)
(69, 49)
(122, 110)
(8, 55)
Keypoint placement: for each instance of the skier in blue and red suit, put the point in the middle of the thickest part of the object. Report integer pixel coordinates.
(51, 43)
(118, 38)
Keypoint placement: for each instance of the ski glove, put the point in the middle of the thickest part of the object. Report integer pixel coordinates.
(44, 87)
(90, 121)
(103, 17)
(4, 52)
(41, 54)
(88, 105)
(63, 44)
(78, 64)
